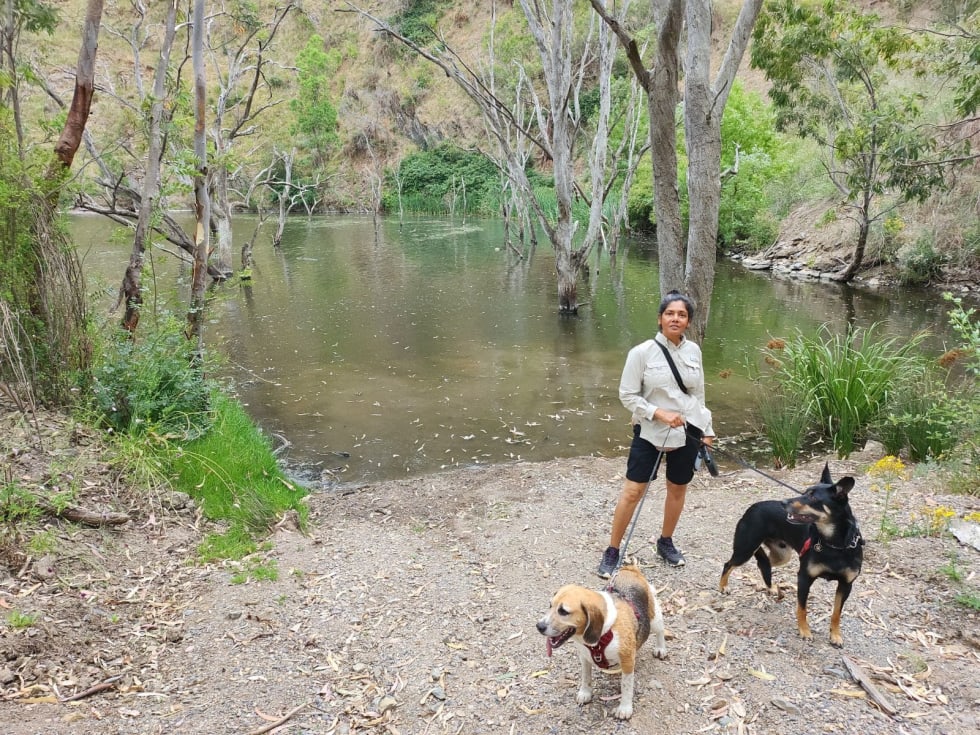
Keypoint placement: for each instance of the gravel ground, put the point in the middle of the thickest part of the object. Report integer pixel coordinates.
(409, 607)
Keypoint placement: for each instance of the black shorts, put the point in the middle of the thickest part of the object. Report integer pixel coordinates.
(680, 461)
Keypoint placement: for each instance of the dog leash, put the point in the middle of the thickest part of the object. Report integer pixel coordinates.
(745, 464)
(636, 513)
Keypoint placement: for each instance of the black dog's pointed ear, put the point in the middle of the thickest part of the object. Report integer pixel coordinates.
(825, 476)
(844, 486)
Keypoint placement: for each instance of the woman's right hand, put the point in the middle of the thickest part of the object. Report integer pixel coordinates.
(671, 418)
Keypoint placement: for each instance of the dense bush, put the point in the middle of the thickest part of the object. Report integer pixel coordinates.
(919, 263)
(151, 384)
(417, 19)
(443, 179)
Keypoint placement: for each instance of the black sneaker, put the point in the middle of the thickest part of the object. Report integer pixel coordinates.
(610, 560)
(669, 553)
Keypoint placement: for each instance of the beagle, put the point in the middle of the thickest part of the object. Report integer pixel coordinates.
(608, 627)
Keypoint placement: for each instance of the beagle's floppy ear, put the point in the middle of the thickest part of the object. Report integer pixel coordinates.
(595, 617)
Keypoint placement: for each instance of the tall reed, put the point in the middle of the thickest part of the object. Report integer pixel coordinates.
(846, 379)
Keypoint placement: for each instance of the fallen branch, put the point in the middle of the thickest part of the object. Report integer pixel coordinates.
(281, 721)
(861, 677)
(87, 517)
(100, 687)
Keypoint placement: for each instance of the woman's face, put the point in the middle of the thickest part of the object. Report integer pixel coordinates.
(674, 321)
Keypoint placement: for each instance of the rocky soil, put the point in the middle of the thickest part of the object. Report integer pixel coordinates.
(409, 607)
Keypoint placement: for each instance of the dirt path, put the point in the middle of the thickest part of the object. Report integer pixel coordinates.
(410, 607)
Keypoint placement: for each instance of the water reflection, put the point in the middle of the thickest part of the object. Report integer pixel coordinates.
(426, 345)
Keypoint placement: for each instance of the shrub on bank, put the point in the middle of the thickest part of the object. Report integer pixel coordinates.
(177, 430)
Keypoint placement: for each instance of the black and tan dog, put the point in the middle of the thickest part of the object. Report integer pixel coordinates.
(820, 527)
(608, 627)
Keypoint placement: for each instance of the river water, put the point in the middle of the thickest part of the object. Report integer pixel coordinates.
(423, 345)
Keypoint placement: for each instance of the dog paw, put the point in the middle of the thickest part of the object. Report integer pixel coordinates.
(624, 711)
(660, 652)
(806, 635)
(584, 696)
(837, 641)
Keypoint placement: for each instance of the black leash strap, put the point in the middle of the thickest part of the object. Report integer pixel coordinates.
(748, 466)
(636, 514)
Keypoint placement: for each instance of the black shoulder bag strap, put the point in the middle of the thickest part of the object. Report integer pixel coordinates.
(693, 432)
(673, 368)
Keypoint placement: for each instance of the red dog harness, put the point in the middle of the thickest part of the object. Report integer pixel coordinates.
(598, 651)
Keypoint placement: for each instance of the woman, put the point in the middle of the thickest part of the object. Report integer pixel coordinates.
(668, 422)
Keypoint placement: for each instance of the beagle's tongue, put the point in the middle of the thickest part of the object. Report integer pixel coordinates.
(548, 645)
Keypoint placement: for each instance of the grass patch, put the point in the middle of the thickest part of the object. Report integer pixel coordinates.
(19, 621)
(259, 571)
(969, 599)
(233, 475)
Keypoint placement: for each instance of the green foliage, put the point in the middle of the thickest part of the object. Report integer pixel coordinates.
(17, 504)
(970, 600)
(748, 133)
(845, 380)
(35, 17)
(316, 116)
(441, 178)
(639, 201)
(232, 473)
(42, 542)
(923, 420)
(785, 425)
(920, 263)
(258, 570)
(151, 384)
(968, 328)
(19, 621)
(831, 67)
(418, 19)
(956, 53)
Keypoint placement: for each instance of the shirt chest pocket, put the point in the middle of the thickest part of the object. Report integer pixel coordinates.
(657, 375)
(690, 370)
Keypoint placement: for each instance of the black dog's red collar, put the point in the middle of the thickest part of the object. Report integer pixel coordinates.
(806, 546)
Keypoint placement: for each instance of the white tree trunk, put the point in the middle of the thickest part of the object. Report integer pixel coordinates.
(202, 203)
(131, 291)
(704, 105)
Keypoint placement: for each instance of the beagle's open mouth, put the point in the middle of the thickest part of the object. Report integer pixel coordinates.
(556, 641)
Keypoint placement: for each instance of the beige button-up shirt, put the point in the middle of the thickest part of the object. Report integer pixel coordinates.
(648, 384)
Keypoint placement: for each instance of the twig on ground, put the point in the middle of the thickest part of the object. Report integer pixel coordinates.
(282, 720)
(109, 683)
(865, 681)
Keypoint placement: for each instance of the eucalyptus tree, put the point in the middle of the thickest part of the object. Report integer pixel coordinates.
(131, 290)
(690, 265)
(239, 52)
(547, 116)
(833, 70)
(202, 200)
(55, 290)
